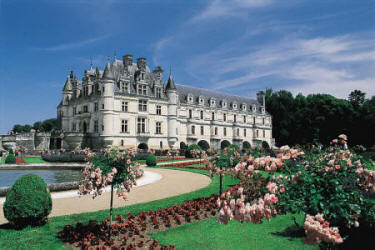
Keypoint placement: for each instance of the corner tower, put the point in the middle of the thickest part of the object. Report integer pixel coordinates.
(171, 92)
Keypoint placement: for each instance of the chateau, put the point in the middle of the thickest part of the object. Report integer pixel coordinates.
(128, 105)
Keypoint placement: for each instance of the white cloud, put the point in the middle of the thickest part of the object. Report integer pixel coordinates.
(222, 8)
(73, 45)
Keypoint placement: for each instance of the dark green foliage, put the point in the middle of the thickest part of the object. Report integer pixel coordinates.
(10, 159)
(234, 147)
(17, 128)
(300, 119)
(191, 147)
(140, 157)
(50, 124)
(204, 145)
(151, 160)
(11, 151)
(46, 125)
(26, 128)
(28, 202)
(38, 126)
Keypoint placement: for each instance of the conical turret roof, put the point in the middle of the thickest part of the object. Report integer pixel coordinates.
(68, 85)
(108, 74)
(170, 84)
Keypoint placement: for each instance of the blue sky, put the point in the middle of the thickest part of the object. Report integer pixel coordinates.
(238, 46)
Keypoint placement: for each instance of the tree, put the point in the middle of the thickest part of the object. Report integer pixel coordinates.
(18, 128)
(357, 98)
(26, 128)
(37, 126)
(50, 124)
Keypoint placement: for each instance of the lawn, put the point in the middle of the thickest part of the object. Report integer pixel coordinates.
(34, 238)
(279, 233)
(2, 160)
(33, 160)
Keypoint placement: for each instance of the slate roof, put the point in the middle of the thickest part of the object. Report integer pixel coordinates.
(183, 91)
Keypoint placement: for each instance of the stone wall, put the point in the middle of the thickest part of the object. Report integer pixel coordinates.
(31, 141)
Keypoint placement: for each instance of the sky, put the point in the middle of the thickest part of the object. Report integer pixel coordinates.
(233, 46)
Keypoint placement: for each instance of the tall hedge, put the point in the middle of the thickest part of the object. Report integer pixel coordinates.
(10, 159)
(28, 202)
(151, 160)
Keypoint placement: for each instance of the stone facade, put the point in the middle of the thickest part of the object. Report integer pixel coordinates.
(128, 105)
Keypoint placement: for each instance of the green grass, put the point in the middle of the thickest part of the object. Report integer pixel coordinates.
(45, 236)
(33, 160)
(279, 233)
(2, 160)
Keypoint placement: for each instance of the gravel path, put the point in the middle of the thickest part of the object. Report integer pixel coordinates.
(171, 183)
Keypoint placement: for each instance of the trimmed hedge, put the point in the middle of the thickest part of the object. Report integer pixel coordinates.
(28, 202)
(191, 147)
(151, 160)
(10, 159)
(65, 157)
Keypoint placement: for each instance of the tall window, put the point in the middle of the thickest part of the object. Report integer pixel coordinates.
(263, 121)
(244, 132)
(124, 106)
(142, 105)
(190, 113)
(96, 106)
(257, 133)
(225, 131)
(202, 130)
(264, 133)
(235, 118)
(102, 105)
(158, 128)
(124, 126)
(213, 116)
(125, 87)
(141, 125)
(74, 110)
(244, 118)
(96, 126)
(215, 130)
(85, 109)
(142, 90)
(254, 120)
(158, 92)
(193, 130)
(158, 109)
(225, 117)
(74, 127)
(201, 114)
(238, 132)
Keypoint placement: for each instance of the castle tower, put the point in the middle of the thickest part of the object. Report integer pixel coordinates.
(64, 111)
(108, 81)
(171, 91)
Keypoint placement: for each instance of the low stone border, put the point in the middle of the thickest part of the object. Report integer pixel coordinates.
(55, 187)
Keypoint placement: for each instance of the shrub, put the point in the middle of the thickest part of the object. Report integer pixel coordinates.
(190, 148)
(28, 202)
(140, 157)
(151, 160)
(10, 159)
(234, 146)
(11, 151)
(64, 157)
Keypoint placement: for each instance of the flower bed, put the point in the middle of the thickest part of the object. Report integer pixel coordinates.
(20, 161)
(134, 230)
(186, 165)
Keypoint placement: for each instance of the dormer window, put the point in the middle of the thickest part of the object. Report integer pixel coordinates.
(201, 100)
(212, 102)
(243, 107)
(234, 105)
(158, 92)
(142, 89)
(125, 87)
(254, 108)
(223, 103)
(190, 98)
(263, 110)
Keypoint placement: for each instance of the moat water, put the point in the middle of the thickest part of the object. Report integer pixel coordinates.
(50, 176)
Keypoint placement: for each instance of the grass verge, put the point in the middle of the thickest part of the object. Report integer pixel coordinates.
(278, 233)
(33, 160)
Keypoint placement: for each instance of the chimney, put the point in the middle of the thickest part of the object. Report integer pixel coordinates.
(127, 60)
(261, 97)
(141, 63)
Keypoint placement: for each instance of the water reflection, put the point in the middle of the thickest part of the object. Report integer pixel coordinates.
(8, 177)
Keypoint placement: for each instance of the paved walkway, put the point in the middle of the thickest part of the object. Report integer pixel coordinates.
(171, 183)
